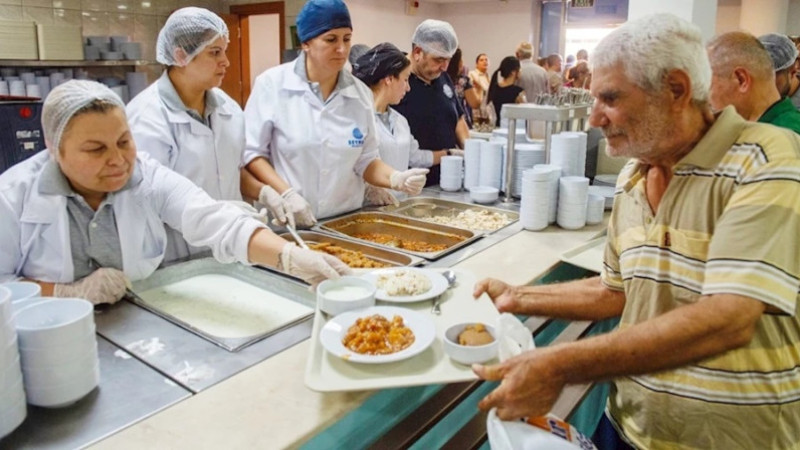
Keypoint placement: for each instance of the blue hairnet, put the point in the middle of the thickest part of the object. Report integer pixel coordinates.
(319, 16)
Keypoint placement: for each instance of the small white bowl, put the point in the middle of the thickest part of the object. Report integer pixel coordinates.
(21, 290)
(469, 354)
(54, 321)
(344, 294)
(484, 194)
(64, 394)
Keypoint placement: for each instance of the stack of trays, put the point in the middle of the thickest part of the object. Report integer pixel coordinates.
(12, 395)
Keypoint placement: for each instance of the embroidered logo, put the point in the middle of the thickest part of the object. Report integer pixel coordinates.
(447, 91)
(358, 138)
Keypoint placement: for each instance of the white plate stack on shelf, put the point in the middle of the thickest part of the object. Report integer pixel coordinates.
(607, 192)
(583, 148)
(452, 170)
(526, 155)
(472, 162)
(491, 164)
(12, 395)
(58, 351)
(565, 151)
(534, 207)
(595, 207)
(573, 195)
(555, 174)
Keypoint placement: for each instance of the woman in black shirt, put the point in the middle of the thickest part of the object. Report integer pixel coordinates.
(502, 89)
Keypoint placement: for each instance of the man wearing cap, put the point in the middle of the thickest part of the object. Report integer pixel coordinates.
(743, 76)
(532, 77)
(431, 107)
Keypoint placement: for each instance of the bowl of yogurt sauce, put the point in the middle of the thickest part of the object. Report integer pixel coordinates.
(345, 294)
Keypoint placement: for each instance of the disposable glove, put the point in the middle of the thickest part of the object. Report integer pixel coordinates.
(299, 208)
(410, 181)
(104, 285)
(277, 205)
(378, 196)
(313, 267)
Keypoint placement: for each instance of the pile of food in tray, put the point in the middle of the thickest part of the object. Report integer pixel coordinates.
(353, 258)
(394, 241)
(472, 219)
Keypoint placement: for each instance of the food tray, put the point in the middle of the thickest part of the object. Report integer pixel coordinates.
(277, 307)
(390, 257)
(402, 228)
(425, 207)
(328, 373)
(588, 255)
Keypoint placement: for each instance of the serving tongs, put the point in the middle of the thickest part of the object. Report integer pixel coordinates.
(296, 236)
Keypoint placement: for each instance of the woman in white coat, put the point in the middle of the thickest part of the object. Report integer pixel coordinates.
(87, 215)
(185, 121)
(310, 125)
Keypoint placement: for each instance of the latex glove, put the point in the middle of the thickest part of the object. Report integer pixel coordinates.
(313, 267)
(299, 208)
(104, 285)
(378, 196)
(248, 209)
(456, 152)
(277, 205)
(410, 181)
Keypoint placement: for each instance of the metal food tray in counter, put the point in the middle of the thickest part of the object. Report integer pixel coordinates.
(387, 257)
(401, 229)
(425, 208)
(230, 305)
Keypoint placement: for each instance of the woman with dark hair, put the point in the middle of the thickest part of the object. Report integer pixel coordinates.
(502, 89)
(579, 76)
(464, 90)
(479, 76)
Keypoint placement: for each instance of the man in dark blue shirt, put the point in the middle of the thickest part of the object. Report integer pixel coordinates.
(432, 109)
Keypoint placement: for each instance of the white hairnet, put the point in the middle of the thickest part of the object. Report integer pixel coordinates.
(781, 49)
(66, 100)
(187, 32)
(436, 37)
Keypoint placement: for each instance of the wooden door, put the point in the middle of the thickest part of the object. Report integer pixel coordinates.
(232, 83)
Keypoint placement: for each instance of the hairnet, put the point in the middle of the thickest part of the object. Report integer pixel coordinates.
(379, 62)
(66, 100)
(781, 49)
(319, 16)
(190, 30)
(355, 52)
(436, 37)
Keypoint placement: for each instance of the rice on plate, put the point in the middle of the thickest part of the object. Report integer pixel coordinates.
(404, 282)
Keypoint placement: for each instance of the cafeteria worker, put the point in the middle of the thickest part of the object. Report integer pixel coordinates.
(310, 126)
(88, 214)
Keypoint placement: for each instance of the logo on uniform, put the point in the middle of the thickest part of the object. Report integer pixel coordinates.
(358, 138)
(447, 91)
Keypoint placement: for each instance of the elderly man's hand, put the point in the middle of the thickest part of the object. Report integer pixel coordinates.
(502, 294)
(528, 387)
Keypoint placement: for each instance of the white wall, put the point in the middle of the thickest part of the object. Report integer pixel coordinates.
(702, 13)
(265, 44)
(376, 21)
(764, 16)
(727, 18)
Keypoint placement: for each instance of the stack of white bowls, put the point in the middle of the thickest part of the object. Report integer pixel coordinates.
(472, 162)
(525, 157)
(12, 395)
(595, 206)
(555, 174)
(573, 195)
(450, 175)
(582, 149)
(58, 350)
(607, 192)
(535, 204)
(491, 168)
(565, 151)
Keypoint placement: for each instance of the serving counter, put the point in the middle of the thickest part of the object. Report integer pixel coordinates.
(262, 401)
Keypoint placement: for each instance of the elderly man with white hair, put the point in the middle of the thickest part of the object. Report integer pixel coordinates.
(700, 263)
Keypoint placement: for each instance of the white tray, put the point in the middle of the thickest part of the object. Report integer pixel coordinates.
(328, 373)
(588, 256)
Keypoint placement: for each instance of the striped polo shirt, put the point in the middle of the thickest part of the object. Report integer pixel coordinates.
(729, 222)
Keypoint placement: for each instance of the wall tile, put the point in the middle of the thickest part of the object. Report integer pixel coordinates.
(164, 7)
(11, 2)
(39, 3)
(67, 4)
(121, 6)
(95, 23)
(121, 24)
(38, 15)
(94, 5)
(67, 17)
(145, 28)
(145, 6)
(8, 12)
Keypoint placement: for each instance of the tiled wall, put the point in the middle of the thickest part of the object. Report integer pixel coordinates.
(139, 19)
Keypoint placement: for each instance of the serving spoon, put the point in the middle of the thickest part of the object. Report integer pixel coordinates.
(450, 276)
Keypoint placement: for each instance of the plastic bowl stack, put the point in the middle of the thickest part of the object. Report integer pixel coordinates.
(12, 395)
(58, 351)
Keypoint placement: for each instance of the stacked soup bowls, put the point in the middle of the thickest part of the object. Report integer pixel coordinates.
(12, 395)
(58, 351)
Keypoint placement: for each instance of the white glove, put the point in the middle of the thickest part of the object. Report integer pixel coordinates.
(299, 208)
(104, 285)
(456, 152)
(248, 209)
(277, 205)
(410, 181)
(378, 196)
(313, 267)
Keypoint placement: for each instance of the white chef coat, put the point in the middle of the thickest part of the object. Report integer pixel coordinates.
(34, 228)
(209, 155)
(320, 148)
(397, 145)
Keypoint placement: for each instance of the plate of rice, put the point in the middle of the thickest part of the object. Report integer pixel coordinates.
(406, 284)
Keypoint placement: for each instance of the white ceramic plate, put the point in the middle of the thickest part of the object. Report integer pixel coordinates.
(333, 332)
(438, 285)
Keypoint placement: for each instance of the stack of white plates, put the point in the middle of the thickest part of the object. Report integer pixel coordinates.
(535, 204)
(565, 151)
(573, 195)
(58, 350)
(12, 395)
(607, 192)
(595, 206)
(519, 137)
(525, 157)
(555, 174)
(472, 162)
(582, 149)
(452, 170)
(491, 168)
